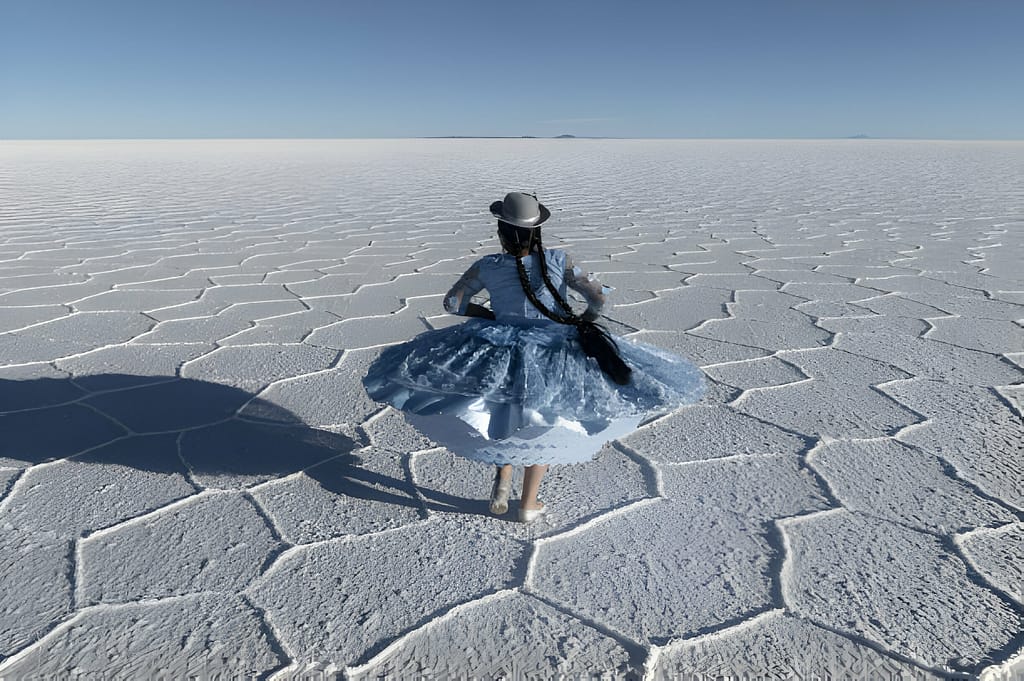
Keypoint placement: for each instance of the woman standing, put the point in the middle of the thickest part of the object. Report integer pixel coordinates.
(528, 381)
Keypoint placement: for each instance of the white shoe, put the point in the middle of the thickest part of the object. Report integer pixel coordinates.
(499, 495)
(528, 515)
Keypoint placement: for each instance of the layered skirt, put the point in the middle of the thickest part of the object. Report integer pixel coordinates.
(525, 393)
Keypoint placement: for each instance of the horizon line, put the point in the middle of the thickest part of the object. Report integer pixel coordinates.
(851, 138)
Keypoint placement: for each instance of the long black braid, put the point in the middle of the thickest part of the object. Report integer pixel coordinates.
(524, 281)
(547, 279)
(595, 341)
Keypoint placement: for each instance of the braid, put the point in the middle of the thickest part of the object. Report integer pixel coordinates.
(547, 279)
(524, 281)
(594, 340)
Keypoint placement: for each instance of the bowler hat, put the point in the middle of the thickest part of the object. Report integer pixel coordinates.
(521, 210)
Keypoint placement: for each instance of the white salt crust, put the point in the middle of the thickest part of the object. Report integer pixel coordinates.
(193, 482)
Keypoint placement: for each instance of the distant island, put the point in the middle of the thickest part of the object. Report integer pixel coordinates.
(861, 136)
(480, 137)
(509, 137)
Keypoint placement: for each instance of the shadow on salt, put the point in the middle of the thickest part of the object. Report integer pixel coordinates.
(197, 429)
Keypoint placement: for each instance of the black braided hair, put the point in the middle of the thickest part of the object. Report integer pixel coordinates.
(547, 279)
(524, 281)
(595, 341)
(514, 238)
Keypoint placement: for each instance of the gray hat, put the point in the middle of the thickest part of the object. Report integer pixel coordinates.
(521, 210)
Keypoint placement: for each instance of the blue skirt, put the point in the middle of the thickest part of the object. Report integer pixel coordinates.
(525, 393)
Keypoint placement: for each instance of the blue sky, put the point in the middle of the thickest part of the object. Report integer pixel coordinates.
(384, 68)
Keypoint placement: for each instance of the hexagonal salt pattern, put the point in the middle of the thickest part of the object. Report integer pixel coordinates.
(36, 385)
(76, 333)
(134, 360)
(508, 635)
(995, 553)
(756, 489)
(777, 645)
(756, 373)
(112, 483)
(170, 406)
(931, 359)
(706, 561)
(332, 605)
(699, 350)
(252, 368)
(192, 478)
(211, 542)
(681, 308)
(831, 404)
(36, 572)
(700, 571)
(390, 430)
(187, 637)
(973, 429)
(912, 594)
(903, 484)
(984, 335)
(361, 493)
(766, 319)
(709, 432)
(329, 397)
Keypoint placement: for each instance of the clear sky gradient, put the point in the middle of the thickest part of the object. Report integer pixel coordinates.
(386, 68)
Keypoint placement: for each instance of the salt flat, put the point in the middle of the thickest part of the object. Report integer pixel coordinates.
(192, 479)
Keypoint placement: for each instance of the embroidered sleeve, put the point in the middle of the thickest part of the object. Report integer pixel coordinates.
(587, 286)
(458, 298)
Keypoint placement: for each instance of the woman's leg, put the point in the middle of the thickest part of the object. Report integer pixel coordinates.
(531, 484)
(500, 490)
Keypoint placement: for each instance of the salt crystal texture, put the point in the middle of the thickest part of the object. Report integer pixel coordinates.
(193, 481)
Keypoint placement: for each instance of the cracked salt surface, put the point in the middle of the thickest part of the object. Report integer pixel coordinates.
(890, 480)
(573, 495)
(778, 645)
(181, 637)
(509, 635)
(657, 572)
(383, 584)
(901, 589)
(973, 429)
(361, 493)
(710, 432)
(996, 554)
(211, 542)
(193, 480)
(829, 404)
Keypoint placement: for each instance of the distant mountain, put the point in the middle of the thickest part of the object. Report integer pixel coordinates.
(861, 136)
(507, 137)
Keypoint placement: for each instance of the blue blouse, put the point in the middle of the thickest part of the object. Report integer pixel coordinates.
(498, 274)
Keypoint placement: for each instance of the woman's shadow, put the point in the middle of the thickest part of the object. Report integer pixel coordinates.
(216, 435)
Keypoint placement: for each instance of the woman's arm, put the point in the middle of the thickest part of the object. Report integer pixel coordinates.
(587, 286)
(457, 300)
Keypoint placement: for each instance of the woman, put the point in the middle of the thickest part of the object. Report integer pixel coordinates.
(528, 381)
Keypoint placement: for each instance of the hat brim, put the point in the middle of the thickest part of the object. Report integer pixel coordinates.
(497, 210)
